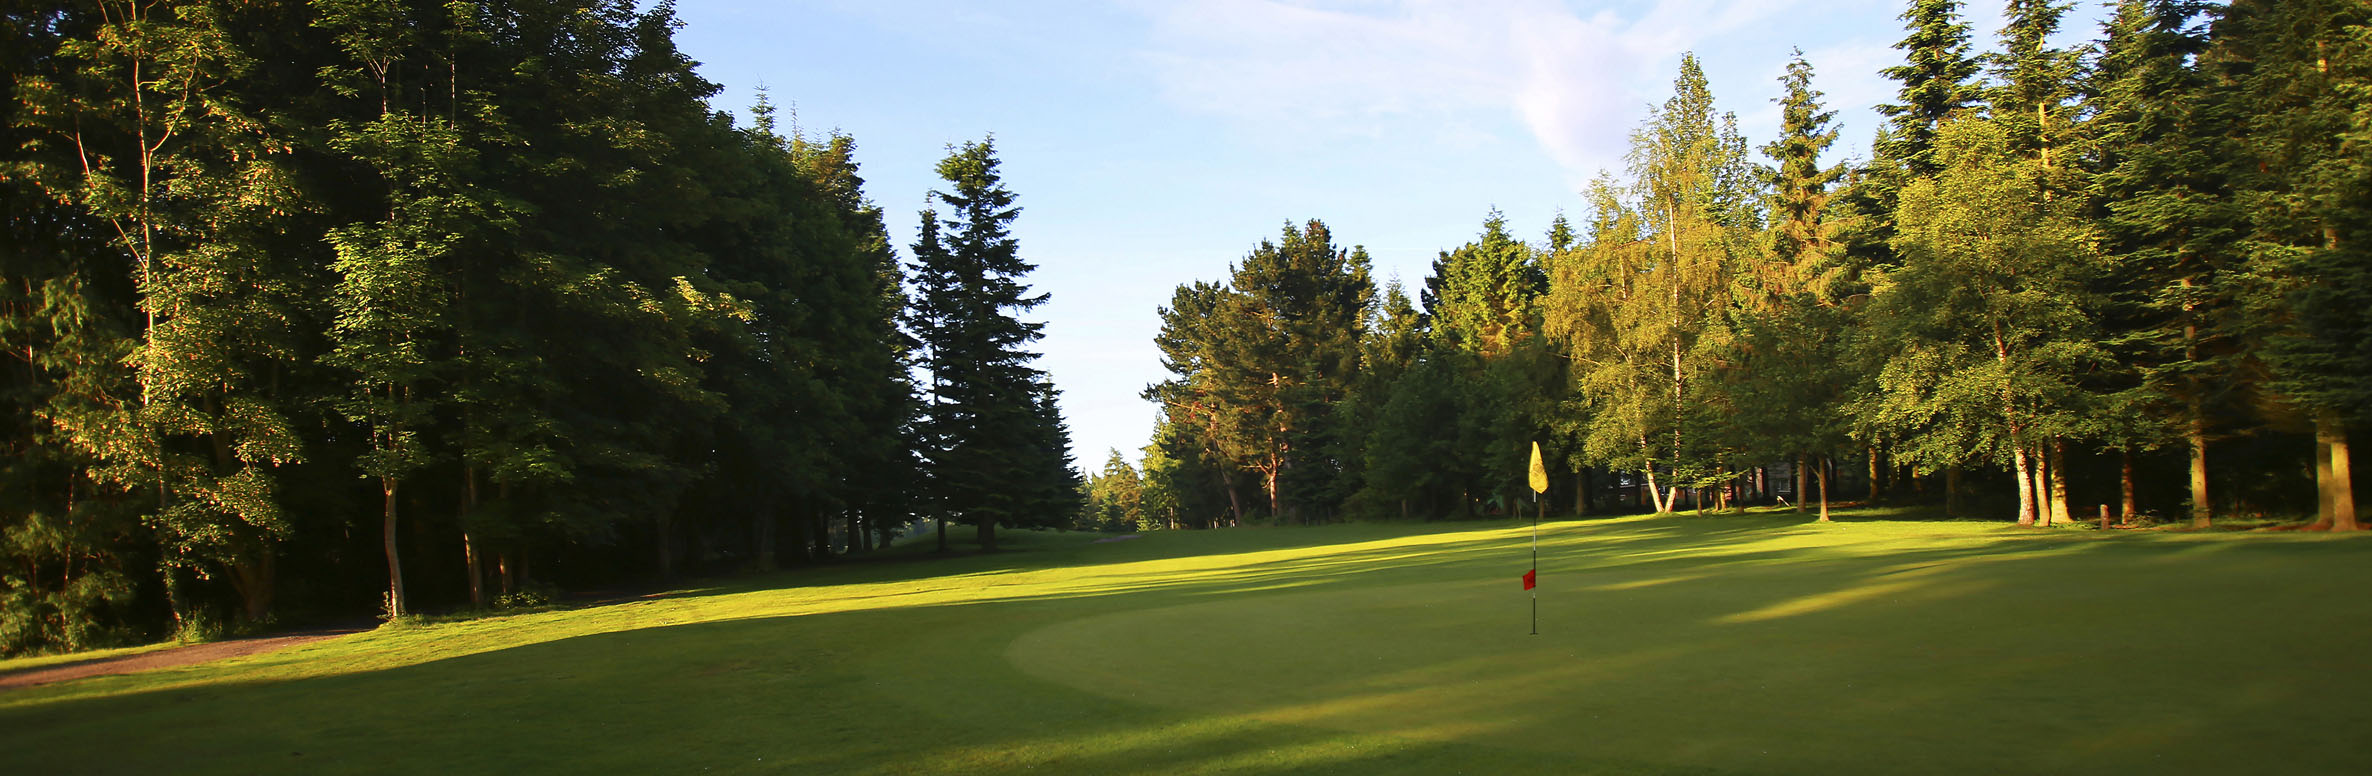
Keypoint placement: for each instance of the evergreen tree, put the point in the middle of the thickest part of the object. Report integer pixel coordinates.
(1261, 363)
(2166, 223)
(998, 455)
(1490, 292)
(2034, 84)
(1801, 189)
(2297, 77)
(1937, 77)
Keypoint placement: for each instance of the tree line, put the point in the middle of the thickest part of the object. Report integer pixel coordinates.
(315, 309)
(2130, 274)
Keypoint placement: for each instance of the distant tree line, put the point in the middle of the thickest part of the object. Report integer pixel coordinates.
(2134, 274)
(326, 308)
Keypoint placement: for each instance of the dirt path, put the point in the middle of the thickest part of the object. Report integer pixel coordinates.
(165, 658)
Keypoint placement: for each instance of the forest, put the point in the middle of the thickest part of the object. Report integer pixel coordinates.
(317, 310)
(2124, 281)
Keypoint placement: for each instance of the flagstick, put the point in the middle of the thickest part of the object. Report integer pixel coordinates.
(1536, 562)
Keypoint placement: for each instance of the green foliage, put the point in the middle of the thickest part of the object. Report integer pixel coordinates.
(1262, 363)
(996, 452)
(1801, 186)
(501, 261)
(1489, 292)
(1937, 77)
(1115, 500)
(1984, 330)
(2297, 79)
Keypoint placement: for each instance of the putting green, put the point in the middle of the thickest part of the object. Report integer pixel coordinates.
(1685, 644)
(1978, 652)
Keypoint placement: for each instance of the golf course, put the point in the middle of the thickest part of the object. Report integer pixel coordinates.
(1761, 643)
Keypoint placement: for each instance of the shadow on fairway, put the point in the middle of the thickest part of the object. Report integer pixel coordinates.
(1732, 644)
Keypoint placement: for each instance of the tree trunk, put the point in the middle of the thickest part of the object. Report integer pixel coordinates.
(1822, 474)
(988, 534)
(395, 568)
(469, 541)
(477, 570)
(942, 533)
(1655, 492)
(2197, 431)
(1270, 482)
(1800, 491)
(1235, 501)
(255, 576)
(1581, 491)
(2042, 487)
(1874, 492)
(2058, 469)
(2333, 470)
(2025, 474)
(2322, 478)
(1952, 491)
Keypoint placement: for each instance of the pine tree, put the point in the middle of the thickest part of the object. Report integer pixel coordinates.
(1260, 364)
(2297, 78)
(1801, 188)
(2167, 227)
(1788, 369)
(1937, 81)
(2035, 84)
(999, 454)
(1490, 291)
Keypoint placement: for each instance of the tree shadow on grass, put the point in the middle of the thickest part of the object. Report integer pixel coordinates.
(2012, 652)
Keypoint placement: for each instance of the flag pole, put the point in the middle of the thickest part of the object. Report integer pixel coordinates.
(1538, 479)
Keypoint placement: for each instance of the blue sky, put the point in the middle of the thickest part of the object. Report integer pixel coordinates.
(1155, 143)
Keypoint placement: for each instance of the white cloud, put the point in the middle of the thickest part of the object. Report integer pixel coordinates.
(1575, 82)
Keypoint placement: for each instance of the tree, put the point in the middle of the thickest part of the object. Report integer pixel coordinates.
(2035, 84)
(1115, 499)
(1260, 364)
(2167, 228)
(2298, 78)
(1489, 292)
(1643, 312)
(998, 454)
(1801, 188)
(1789, 367)
(1937, 81)
(144, 105)
(1987, 322)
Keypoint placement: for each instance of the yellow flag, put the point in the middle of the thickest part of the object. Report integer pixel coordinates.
(1539, 472)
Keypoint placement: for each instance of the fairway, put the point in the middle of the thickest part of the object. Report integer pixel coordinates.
(1678, 644)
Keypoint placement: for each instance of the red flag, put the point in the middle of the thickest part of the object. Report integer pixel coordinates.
(1528, 578)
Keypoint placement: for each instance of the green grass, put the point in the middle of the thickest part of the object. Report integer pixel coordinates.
(30, 662)
(1755, 644)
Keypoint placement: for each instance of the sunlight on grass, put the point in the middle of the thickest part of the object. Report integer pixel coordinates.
(1344, 649)
(28, 663)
